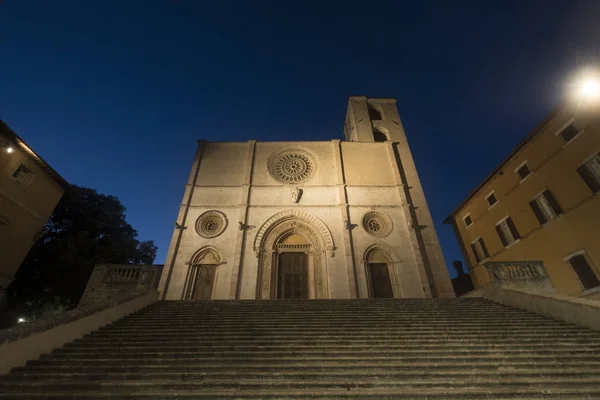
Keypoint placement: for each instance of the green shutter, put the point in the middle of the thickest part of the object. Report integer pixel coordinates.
(513, 228)
(588, 178)
(553, 203)
(538, 212)
(485, 252)
(502, 238)
(475, 253)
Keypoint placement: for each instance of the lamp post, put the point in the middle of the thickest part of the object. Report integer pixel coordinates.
(586, 88)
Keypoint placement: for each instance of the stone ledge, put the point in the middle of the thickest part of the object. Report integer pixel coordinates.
(30, 345)
(23, 330)
(574, 310)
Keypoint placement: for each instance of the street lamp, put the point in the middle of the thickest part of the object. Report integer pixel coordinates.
(586, 88)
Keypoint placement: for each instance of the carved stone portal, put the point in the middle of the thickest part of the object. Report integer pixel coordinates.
(274, 242)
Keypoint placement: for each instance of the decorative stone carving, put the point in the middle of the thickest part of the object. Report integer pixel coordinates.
(211, 224)
(266, 249)
(302, 215)
(377, 224)
(296, 194)
(524, 274)
(292, 166)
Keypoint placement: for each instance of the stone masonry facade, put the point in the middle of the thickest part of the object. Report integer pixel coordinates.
(344, 204)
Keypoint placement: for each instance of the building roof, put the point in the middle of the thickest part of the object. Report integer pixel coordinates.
(12, 136)
(509, 157)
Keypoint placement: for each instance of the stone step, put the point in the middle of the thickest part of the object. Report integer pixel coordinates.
(349, 313)
(356, 374)
(330, 394)
(320, 335)
(333, 351)
(149, 385)
(114, 359)
(276, 327)
(168, 317)
(338, 323)
(465, 366)
(341, 334)
(332, 346)
(566, 341)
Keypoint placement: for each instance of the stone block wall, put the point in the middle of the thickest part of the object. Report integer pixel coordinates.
(114, 281)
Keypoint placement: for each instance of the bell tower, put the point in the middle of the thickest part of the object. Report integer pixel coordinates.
(377, 120)
(373, 120)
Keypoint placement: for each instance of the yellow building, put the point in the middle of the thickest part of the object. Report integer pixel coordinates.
(29, 191)
(541, 203)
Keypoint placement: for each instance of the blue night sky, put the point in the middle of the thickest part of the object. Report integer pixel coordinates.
(114, 94)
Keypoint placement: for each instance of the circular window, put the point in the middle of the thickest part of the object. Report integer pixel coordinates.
(211, 224)
(292, 166)
(377, 224)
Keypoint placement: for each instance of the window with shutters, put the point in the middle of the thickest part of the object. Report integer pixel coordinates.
(479, 250)
(545, 207)
(507, 231)
(590, 173)
(492, 199)
(584, 270)
(468, 220)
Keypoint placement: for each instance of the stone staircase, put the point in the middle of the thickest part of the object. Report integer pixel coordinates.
(320, 349)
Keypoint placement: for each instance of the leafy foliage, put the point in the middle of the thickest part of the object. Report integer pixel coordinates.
(85, 229)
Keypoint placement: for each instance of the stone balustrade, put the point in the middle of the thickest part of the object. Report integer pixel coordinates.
(110, 281)
(529, 275)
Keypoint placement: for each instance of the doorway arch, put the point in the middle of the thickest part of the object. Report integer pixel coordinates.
(289, 232)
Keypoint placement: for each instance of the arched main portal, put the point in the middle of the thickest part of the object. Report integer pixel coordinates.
(200, 279)
(292, 251)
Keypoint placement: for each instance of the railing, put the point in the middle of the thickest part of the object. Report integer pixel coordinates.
(117, 280)
(527, 274)
(138, 274)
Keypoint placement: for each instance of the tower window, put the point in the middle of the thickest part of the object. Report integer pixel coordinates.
(379, 136)
(374, 114)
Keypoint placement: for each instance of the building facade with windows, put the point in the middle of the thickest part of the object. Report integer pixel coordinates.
(315, 220)
(541, 203)
(29, 191)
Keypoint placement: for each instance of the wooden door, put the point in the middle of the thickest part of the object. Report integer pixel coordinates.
(205, 280)
(293, 276)
(380, 281)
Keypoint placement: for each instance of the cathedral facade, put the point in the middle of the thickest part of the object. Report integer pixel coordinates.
(307, 220)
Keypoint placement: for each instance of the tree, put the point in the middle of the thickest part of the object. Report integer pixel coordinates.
(85, 229)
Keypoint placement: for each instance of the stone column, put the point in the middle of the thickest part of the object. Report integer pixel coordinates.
(410, 221)
(347, 232)
(240, 242)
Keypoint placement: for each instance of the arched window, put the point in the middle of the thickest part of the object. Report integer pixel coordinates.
(374, 113)
(201, 274)
(379, 136)
(379, 273)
